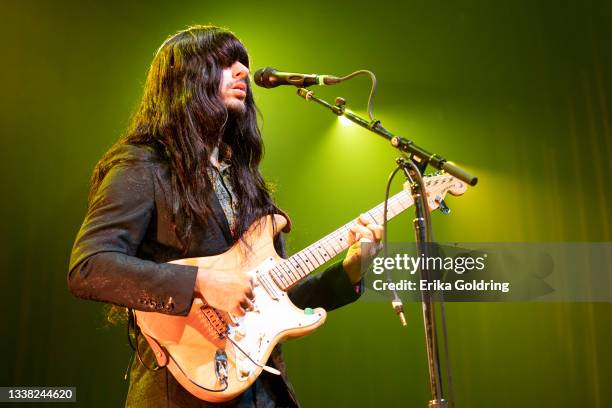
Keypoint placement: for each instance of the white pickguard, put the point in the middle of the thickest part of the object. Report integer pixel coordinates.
(273, 315)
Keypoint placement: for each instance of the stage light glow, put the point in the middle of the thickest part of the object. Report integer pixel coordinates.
(344, 121)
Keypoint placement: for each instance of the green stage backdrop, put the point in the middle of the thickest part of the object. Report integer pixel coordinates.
(518, 92)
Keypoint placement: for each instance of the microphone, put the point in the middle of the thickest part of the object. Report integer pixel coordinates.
(271, 78)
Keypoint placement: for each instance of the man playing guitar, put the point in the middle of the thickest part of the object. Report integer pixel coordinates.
(184, 182)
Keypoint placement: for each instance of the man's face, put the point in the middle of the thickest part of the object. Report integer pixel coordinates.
(233, 87)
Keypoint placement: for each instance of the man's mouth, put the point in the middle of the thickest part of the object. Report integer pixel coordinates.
(240, 88)
(240, 85)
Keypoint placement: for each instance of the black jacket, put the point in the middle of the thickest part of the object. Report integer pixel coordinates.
(121, 252)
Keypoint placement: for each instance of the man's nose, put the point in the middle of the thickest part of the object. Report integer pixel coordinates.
(239, 70)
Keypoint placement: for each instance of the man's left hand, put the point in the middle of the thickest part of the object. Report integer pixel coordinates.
(364, 231)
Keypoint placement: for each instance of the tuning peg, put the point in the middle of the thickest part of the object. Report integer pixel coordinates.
(443, 207)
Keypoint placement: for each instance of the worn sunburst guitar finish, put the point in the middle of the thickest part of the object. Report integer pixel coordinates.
(216, 356)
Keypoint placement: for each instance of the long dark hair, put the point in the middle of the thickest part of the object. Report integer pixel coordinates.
(182, 117)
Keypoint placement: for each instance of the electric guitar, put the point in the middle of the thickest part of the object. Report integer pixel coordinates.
(216, 356)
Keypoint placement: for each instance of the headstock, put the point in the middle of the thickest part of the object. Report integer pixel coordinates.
(437, 186)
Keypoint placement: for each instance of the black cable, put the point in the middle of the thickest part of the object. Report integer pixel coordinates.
(396, 302)
(136, 329)
(195, 383)
(129, 337)
(372, 89)
(388, 188)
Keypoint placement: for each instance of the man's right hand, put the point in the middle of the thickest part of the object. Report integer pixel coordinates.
(230, 292)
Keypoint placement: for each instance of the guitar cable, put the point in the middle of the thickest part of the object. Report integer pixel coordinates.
(134, 345)
(136, 330)
(129, 339)
(396, 302)
(224, 335)
(133, 327)
(268, 369)
(265, 368)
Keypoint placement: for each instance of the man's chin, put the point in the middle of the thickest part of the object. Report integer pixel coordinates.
(236, 106)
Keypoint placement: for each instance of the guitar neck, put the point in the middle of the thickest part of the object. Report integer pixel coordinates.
(295, 268)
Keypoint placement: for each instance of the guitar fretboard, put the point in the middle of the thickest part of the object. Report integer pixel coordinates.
(293, 269)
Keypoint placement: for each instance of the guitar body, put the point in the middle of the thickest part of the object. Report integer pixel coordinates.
(191, 346)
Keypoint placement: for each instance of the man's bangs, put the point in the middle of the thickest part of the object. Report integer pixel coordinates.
(233, 50)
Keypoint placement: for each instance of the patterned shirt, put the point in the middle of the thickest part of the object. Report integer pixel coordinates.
(221, 182)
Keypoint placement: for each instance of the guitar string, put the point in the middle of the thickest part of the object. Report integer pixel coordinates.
(334, 237)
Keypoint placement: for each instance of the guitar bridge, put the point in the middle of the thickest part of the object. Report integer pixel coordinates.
(215, 320)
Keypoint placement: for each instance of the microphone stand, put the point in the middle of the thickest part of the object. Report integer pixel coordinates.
(413, 167)
(420, 156)
(423, 235)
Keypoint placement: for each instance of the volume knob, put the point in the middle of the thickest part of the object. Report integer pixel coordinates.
(239, 334)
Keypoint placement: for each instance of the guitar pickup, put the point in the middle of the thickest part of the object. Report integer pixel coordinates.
(263, 274)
